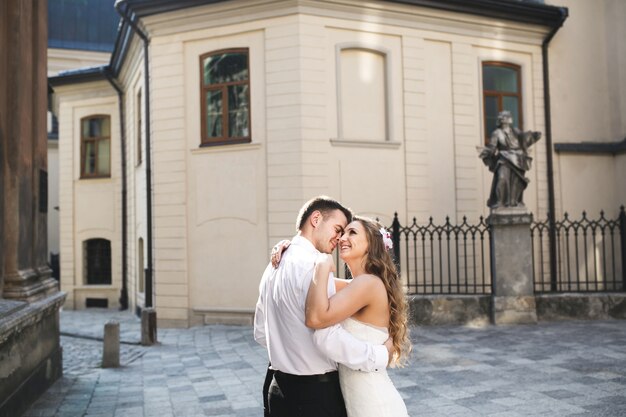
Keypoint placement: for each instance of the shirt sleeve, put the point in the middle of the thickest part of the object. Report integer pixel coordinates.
(259, 314)
(259, 324)
(340, 346)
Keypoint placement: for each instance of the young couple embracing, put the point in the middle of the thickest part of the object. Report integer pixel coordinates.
(329, 341)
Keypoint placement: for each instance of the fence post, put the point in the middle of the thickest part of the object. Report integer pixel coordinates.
(395, 237)
(622, 232)
(552, 251)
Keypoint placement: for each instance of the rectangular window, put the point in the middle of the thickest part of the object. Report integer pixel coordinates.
(501, 91)
(95, 139)
(225, 97)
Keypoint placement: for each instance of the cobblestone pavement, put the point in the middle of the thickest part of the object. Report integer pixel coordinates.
(549, 369)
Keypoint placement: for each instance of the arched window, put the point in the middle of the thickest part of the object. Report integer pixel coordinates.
(95, 146)
(502, 90)
(97, 261)
(225, 98)
(362, 94)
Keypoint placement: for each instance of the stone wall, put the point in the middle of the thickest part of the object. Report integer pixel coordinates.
(475, 310)
(30, 353)
(600, 306)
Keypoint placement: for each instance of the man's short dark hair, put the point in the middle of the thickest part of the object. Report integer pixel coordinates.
(323, 204)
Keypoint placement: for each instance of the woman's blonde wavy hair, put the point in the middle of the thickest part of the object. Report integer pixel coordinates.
(378, 261)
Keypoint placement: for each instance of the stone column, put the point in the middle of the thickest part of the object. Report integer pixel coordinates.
(513, 300)
(25, 274)
(30, 353)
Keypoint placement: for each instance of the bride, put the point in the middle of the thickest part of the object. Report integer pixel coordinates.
(371, 307)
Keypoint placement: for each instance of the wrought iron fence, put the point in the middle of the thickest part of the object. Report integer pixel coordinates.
(590, 254)
(441, 259)
(455, 259)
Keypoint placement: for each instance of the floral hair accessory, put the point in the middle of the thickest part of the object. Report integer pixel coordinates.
(386, 238)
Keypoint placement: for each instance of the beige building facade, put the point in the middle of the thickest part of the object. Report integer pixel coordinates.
(588, 86)
(254, 106)
(60, 60)
(80, 35)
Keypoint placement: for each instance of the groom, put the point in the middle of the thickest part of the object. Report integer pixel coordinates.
(305, 381)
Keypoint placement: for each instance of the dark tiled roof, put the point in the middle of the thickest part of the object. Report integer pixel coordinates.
(82, 24)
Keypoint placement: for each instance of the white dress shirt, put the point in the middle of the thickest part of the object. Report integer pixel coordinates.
(279, 321)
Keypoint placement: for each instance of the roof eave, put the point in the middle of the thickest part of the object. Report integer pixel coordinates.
(513, 10)
(517, 11)
(598, 148)
(81, 76)
(142, 8)
(523, 12)
(122, 43)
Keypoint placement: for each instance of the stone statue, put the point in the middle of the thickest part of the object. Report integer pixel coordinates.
(506, 155)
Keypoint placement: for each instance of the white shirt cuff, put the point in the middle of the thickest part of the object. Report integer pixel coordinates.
(382, 357)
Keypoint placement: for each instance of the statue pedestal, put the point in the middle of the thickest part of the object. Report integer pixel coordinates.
(513, 300)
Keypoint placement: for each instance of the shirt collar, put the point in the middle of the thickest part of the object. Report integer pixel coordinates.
(304, 243)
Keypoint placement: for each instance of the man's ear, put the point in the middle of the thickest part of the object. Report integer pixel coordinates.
(315, 218)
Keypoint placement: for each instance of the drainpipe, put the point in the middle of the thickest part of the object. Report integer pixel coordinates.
(146, 72)
(546, 104)
(120, 97)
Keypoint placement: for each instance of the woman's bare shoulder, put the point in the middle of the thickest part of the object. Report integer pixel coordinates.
(370, 280)
(368, 277)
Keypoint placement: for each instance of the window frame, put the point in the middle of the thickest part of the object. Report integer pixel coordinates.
(95, 140)
(223, 87)
(499, 94)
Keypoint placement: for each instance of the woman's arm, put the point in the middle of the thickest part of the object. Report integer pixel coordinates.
(340, 283)
(322, 311)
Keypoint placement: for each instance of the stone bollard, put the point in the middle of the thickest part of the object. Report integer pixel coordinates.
(111, 350)
(148, 327)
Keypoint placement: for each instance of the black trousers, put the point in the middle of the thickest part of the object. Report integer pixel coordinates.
(266, 387)
(305, 396)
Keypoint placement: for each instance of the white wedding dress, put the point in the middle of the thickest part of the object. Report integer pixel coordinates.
(369, 394)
